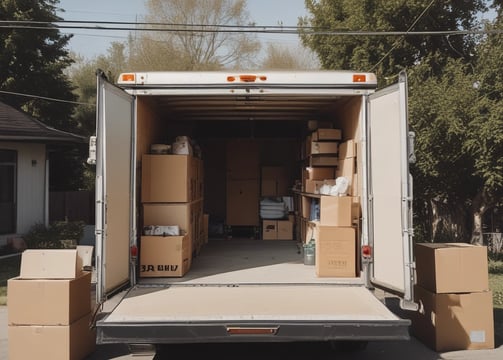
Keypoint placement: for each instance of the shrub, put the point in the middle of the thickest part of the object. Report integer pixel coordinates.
(41, 237)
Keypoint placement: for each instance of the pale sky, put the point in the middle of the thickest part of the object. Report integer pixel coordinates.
(90, 43)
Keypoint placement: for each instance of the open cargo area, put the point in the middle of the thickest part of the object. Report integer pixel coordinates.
(245, 201)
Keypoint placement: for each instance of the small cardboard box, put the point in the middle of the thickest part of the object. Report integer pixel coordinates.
(335, 251)
(451, 267)
(62, 342)
(322, 134)
(335, 210)
(50, 264)
(450, 322)
(269, 230)
(319, 173)
(48, 301)
(323, 160)
(285, 230)
(323, 147)
(165, 256)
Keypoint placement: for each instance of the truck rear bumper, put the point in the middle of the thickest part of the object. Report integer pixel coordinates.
(166, 333)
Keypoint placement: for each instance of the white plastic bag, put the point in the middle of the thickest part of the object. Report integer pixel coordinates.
(341, 187)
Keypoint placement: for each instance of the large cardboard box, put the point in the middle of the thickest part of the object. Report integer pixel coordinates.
(56, 342)
(335, 210)
(48, 301)
(168, 178)
(50, 264)
(335, 251)
(450, 322)
(451, 267)
(243, 202)
(164, 256)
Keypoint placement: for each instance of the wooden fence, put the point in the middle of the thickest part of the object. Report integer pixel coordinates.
(72, 206)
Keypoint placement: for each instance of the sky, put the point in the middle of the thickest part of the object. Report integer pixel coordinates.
(90, 43)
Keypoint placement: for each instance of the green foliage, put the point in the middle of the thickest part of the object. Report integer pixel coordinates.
(33, 62)
(387, 55)
(41, 237)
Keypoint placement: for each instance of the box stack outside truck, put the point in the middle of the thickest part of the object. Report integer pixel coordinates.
(266, 163)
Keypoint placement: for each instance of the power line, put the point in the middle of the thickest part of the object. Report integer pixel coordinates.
(46, 98)
(310, 31)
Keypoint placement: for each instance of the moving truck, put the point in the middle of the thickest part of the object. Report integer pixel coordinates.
(240, 283)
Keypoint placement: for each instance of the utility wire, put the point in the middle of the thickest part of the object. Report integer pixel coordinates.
(45, 98)
(82, 25)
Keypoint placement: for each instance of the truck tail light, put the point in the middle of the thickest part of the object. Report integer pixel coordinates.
(359, 78)
(366, 251)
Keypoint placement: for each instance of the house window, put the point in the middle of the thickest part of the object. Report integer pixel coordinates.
(8, 164)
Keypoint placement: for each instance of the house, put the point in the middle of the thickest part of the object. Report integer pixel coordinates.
(25, 144)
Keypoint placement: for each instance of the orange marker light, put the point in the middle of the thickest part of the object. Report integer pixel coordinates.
(247, 78)
(231, 78)
(359, 78)
(128, 77)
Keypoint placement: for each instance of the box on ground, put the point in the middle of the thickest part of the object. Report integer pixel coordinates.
(50, 264)
(55, 342)
(48, 301)
(450, 322)
(335, 210)
(164, 256)
(168, 178)
(451, 267)
(335, 251)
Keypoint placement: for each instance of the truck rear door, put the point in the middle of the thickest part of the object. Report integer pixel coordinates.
(114, 187)
(390, 190)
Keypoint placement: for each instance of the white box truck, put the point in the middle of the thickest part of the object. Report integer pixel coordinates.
(252, 290)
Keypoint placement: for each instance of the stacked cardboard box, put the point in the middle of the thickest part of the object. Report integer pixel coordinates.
(49, 313)
(172, 195)
(455, 303)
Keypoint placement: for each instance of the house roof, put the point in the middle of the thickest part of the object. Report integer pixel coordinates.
(16, 125)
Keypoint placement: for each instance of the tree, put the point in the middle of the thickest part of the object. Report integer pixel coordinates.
(33, 62)
(194, 41)
(387, 55)
(282, 58)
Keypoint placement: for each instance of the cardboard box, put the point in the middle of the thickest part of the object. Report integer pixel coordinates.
(269, 230)
(451, 267)
(335, 210)
(326, 134)
(450, 322)
(323, 160)
(50, 264)
(62, 342)
(243, 203)
(335, 251)
(285, 230)
(346, 168)
(319, 173)
(168, 178)
(323, 147)
(347, 149)
(164, 256)
(182, 214)
(313, 186)
(48, 301)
